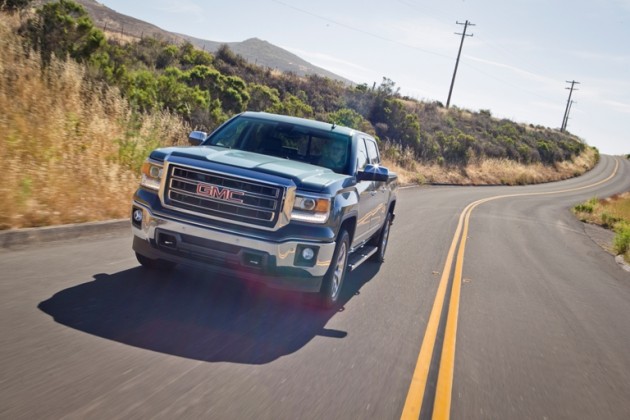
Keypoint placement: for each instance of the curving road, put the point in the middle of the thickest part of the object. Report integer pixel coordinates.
(519, 316)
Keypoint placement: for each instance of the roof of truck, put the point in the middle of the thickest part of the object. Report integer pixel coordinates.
(319, 125)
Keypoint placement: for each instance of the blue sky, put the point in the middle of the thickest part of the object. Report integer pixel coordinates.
(516, 64)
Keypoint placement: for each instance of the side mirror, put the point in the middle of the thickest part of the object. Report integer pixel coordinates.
(197, 137)
(373, 173)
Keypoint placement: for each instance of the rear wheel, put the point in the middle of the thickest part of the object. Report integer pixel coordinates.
(161, 265)
(328, 296)
(383, 240)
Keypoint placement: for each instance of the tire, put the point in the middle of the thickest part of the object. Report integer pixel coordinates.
(383, 240)
(159, 265)
(328, 296)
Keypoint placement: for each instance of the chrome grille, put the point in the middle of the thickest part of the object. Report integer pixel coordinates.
(223, 197)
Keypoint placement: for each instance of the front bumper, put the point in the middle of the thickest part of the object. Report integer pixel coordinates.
(159, 236)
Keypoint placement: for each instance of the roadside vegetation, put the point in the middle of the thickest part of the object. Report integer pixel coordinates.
(80, 112)
(70, 147)
(611, 213)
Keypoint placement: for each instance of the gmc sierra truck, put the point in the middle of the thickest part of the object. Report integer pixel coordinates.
(290, 202)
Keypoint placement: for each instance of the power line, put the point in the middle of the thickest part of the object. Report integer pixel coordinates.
(459, 53)
(382, 38)
(352, 28)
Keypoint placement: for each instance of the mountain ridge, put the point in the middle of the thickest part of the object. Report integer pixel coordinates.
(253, 50)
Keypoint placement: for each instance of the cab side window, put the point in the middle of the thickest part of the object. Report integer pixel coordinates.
(372, 152)
(362, 155)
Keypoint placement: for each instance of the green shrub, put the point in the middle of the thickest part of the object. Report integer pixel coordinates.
(586, 207)
(63, 29)
(347, 117)
(609, 221)
(622, 238)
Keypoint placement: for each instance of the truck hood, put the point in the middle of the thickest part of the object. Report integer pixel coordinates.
(304, 175)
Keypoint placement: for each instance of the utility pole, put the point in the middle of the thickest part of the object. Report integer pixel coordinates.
(566, 119)
(566, 110)
(459, 53)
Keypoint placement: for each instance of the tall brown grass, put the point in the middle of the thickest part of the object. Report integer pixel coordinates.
(483, 171)
(611, 213)
(69, 148)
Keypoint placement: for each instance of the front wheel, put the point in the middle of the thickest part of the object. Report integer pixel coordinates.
(333, 280)
(383, 240)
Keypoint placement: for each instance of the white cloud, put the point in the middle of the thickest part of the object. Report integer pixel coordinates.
(524, 73)
(617, 106)
(320, 57)
(344, 68)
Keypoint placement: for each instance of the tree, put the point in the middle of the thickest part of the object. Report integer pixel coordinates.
(63, 28)
(397, 124)
(234, 96)
(177, 96)
(263, 98)
(190, 56)
(167, 57)
(142, 90)
(347, 117)
(292, 105)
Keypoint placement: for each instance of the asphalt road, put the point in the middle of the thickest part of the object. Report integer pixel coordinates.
(543, 323)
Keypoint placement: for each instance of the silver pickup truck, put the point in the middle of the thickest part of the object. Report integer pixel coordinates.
(291, 202)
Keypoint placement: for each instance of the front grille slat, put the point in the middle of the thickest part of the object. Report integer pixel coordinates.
(223, 197)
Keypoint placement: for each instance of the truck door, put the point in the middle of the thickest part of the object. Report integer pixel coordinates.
(366, 190)
(379, 189)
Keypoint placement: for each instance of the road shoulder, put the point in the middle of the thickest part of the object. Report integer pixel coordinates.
(604, 238)
(22, 238)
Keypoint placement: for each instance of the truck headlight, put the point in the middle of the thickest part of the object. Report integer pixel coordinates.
(151, 174)
(311, 209)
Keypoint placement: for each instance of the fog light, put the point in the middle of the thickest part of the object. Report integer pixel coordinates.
(308, 254)
(137, 215)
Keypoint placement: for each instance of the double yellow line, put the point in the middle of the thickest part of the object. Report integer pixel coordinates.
(417, 388)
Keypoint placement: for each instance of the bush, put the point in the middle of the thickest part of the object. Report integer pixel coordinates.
(63, 29)
(609, 221)
(622, 238)
(346, 117)
(586, 207)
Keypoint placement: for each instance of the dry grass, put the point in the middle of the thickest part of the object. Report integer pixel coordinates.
(611, 213)
(69, 149)
(485, 172)
(120, 37)
(607, 211)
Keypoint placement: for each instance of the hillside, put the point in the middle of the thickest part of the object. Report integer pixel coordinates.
(265, 54)
(122, 25)
(80, 113)
(255, 51)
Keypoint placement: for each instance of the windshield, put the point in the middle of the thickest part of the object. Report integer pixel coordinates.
(285, 140)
